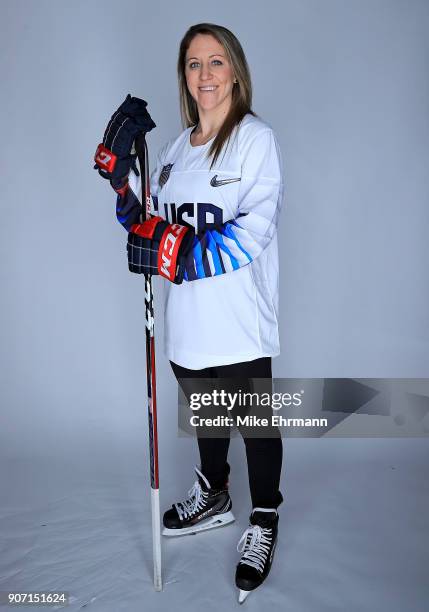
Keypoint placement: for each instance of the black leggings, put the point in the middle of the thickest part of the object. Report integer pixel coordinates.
(264, 454)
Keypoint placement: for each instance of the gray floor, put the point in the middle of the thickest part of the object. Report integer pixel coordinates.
(354, 530)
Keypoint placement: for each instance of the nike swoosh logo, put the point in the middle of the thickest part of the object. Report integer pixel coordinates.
(215, 183)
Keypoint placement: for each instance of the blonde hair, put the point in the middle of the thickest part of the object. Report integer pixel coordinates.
(241, 93)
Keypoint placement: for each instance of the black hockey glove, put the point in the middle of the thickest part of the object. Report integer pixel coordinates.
(158, 247)
(113, 157)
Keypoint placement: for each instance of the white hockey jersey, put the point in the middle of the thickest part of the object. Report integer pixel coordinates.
(226, 309)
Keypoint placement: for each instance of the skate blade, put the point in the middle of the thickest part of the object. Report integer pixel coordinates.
(218, 520)
(242, 595)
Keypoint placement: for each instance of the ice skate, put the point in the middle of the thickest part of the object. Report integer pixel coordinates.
(205, 508)
(257, 545)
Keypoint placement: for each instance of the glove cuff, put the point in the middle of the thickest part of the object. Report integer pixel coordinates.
(120, 185)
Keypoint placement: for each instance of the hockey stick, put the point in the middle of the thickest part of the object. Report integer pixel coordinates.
(142, 154)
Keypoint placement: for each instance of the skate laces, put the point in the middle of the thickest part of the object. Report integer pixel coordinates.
(255, 546)
(196, 501)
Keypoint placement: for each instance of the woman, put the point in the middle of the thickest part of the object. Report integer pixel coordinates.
(216, 192)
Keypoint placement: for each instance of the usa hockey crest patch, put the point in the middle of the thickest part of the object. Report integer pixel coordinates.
(165, 174)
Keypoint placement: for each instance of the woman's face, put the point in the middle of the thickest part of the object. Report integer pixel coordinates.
(209, 74)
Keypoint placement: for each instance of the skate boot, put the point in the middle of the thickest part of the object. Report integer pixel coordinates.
(204, 509)
(257, 545)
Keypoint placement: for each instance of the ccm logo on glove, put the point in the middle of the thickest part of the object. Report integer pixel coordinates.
(104, 158)
(169, 250)
(158, 247)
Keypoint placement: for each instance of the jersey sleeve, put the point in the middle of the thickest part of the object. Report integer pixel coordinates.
(237, 242)
(129, 199)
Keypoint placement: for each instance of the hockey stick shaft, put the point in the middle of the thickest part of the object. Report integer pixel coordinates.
(142, 154)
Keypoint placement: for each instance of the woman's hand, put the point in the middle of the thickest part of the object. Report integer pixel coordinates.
(159, 247)
(113, 157)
